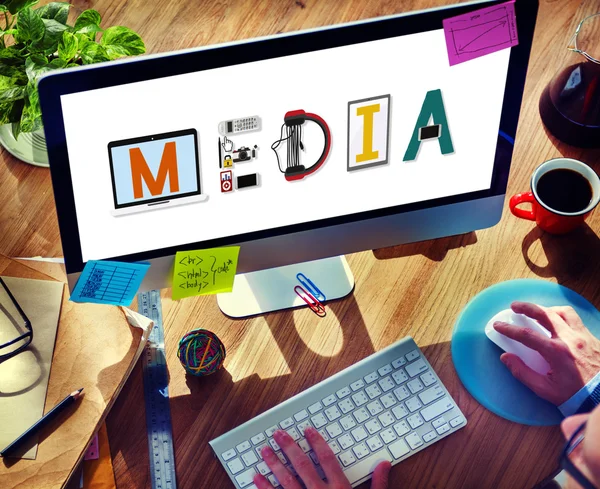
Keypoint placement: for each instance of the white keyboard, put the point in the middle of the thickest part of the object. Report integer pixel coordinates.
(388, 406)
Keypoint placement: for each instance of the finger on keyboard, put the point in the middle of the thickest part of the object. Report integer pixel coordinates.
(325, 455)
(284, 476)
(303, 465)
(261, 482)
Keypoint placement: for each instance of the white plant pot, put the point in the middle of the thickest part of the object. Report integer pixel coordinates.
(30, 147)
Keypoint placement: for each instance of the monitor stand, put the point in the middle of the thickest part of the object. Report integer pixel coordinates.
(273, 289)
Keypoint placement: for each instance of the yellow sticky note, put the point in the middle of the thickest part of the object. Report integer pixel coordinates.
(203, 272)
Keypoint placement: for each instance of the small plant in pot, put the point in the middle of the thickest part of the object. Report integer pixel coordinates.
(35, 41)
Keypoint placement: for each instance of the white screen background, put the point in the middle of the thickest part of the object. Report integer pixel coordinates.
(321, 82)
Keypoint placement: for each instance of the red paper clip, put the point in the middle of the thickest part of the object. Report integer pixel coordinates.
(313, 303)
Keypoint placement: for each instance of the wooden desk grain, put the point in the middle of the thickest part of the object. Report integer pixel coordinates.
(417, 289)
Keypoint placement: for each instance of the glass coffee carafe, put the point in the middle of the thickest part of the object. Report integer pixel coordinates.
(570, 104)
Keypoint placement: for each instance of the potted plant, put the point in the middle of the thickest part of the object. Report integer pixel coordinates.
(37, 41)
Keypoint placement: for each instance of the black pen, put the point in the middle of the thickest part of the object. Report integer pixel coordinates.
(220, 155)
(43, 421)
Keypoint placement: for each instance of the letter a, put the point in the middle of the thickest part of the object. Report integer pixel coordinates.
(367, 112)
(168, 166)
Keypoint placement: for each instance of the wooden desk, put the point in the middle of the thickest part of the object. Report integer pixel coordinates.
(417, 289)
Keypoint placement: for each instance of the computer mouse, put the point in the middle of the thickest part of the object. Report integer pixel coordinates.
(530, 357)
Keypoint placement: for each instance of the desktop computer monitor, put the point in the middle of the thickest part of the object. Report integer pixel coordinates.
(296, 147)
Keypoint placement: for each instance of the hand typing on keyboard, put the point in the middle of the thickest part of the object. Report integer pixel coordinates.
(572, 352)
(306, 469)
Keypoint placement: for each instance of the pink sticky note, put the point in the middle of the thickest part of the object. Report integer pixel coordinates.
(93, 452)
(481, 32)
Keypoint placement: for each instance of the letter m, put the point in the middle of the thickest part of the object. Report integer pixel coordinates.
(168, 166)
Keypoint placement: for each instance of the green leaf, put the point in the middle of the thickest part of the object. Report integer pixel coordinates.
(30, 26)
(11, 56)
(53, 34)
(36, 66)
(67, 46)
(89, 31)
(87, 17)
(15, 6)
(93, 53)
(11, 94)
(122, 41)
(16, 129)
(31, 118)
(58, 11)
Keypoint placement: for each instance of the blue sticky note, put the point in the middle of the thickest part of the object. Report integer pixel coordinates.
(109, 282)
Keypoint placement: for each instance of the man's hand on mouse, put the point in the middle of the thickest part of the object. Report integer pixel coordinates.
(305, 467)
(572, 352)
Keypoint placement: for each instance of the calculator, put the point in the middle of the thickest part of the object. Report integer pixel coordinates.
(235, 126)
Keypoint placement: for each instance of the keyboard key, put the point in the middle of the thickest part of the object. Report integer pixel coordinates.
(437, 408)
(372, 377)
(314, 458)
(334, 447)
(401, 393)
(386, 384)
(228, 455)
(401, 428)
(361, 415)
(324, 435)
(319, 420)
(413, 404)
(360, 398)
(400, 411)
(400, 376)
(347, 422)
(359, 434)
(373, 391)
(415, 386)
(428, 378)
(263, 468)
(386, 419)
(249, 458)
(456, 421)
(388, 436)
(302, 426)
(274, 444)
(242, 447)
(443, 429)
(373, 426)
(438, 422)
(256, 439)
(366, 466)
(273, 480)
(293, 432)
(313, 408)
(334, 429)
(235, 466)
(286, 423)
(374, 443)
(281, 457)
(386, 369)
(345, 441)
(270, 431)
(303, 444)
(333, 413)
(343, 392)
(412, 355)
(414, 440)
(374, 408)
(361, 450)
(431, 394)
(388, 400)
(329, 400)
(399, 449)
(346, 406)
(346, 458)
(359, 384)
(427, 437)
(399, 362)
(245, 478)
(416, 368)
(415, 420)
(259, 449)
(301, 415)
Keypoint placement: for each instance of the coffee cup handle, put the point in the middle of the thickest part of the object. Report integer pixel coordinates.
(516, 200)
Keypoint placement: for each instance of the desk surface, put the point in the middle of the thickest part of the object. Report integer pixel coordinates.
(417, 289)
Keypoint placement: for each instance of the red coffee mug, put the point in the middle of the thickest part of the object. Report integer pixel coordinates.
(548, 219)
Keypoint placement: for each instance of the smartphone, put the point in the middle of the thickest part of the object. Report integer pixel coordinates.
(430, 132)
(236, 126)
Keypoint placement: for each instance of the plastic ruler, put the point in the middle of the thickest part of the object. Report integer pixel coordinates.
(156, 396)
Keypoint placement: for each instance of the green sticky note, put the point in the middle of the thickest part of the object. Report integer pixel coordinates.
(203, 272)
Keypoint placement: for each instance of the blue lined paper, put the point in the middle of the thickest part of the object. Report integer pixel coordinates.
(109, 282)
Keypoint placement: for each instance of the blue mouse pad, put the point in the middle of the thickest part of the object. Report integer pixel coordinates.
(477, 359)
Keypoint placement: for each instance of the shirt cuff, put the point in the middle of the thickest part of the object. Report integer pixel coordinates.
(572, 405)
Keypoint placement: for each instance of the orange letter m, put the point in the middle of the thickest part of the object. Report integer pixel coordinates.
(139, 170)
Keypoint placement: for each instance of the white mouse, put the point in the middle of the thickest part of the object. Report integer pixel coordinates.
(530, 357)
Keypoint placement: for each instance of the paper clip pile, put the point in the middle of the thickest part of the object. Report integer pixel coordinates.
(310, 294)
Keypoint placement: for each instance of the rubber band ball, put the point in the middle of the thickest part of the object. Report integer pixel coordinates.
(201, 352)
